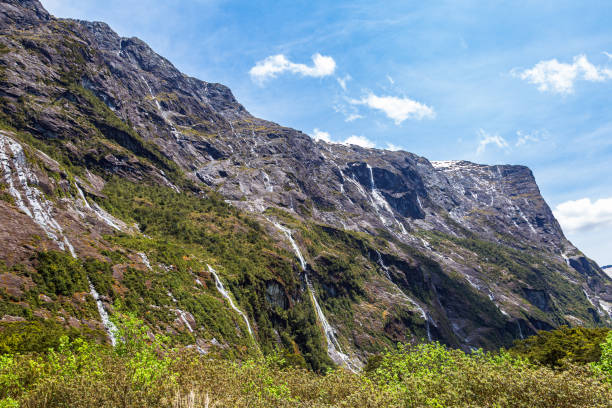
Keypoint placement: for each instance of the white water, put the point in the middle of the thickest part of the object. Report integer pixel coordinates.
(100, 213)
(145, 260)
(40, 210)
(565, 257)
(424, 314)
(182, 314)
(82, 196)
(227, 296)
(379, 203)
(34, 205)
(520, 330)
(268, 186)
(296, 249)
(383, 266)
(111, 329)
(333, 347)
(164, 115)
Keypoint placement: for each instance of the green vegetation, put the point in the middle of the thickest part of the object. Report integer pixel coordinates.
(144, 371)
(604, 365)
(521, 269)
(186, 232)
(562, 347)
(35, 336)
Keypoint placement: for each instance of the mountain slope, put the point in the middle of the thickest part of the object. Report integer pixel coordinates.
(158, 180)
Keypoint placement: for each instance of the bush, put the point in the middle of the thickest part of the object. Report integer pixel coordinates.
(604, 365)
(58, 273)
(563, 346)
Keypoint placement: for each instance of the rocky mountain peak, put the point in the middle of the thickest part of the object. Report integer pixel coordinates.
(148, 163)
(23, 12)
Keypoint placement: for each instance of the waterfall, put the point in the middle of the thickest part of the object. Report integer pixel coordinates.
(227, 296)
(334, 351)
(145, 260)
(40, 210)
(565, 257)
(333, 347)
(110, 328)
(269, 187)
(518, 323)
(164, 115)
(296, 249)
(37, 207)
(424, 314)
(100, 213)
(382, 265)
(380, 203)
(182, 314)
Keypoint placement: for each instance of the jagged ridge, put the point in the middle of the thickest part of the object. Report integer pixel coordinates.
(464, 253)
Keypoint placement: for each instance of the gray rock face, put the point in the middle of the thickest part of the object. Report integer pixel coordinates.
(442, 222)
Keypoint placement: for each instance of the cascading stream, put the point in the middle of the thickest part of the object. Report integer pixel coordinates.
(422, 311)
(227, 296)
(334, 351)
(100, 213)
(110, 328)
(35, 205)
(380, 203)
(40, 210)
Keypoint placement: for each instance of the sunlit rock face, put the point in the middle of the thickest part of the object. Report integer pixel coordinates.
(464, 253)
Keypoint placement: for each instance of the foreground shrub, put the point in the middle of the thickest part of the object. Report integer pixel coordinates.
(142, 371)
(557, 348)
(432, 375)
(604, 365)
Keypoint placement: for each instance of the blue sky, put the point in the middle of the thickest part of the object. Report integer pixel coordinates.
(520, 82)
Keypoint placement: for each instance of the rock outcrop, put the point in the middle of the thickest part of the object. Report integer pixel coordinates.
(464, 253)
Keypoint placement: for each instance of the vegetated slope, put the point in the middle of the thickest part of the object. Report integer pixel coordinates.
(124, 180)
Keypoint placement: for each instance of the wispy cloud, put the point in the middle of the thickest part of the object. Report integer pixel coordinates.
(524, 138)
(352, 116)
(390, 79)
(487, 139)
(397, 109)
(349, 112)
(607, 54)
(274, 65)
(584, 214)
(343, 80)
(558, 77)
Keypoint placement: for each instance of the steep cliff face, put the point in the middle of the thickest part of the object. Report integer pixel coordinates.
(387, 246)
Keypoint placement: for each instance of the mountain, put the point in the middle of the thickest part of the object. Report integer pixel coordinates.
(129, 184)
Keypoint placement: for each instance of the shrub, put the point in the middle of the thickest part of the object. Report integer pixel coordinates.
(557, 348)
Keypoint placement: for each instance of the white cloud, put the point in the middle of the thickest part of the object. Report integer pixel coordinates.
(559, 77)
(353, 116)
(359, 141)
(342, 81)
(392, 147)
(524, 138)
(487, 139)
(390, 79)
(398, 109)
(607, 54)
(319, 135)
(278, 64)
(584, 215)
